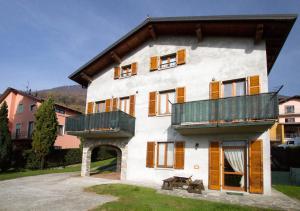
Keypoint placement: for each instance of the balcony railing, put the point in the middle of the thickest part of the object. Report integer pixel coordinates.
(248, 108)
(115, 121)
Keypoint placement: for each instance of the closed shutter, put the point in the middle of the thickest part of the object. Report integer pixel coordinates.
(254, 85)
(214, 166)
(117, 73)
(132, 105)
(150, 154)
(153, 63)
(179, 155)
(214, 88)
(115, 104)
(180, 95)
(90, 107)
(107, 105)
(134, 68)
(256, 167)
(181, 56)
(152, 104)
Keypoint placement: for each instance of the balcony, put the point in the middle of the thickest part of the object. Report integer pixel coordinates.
(242, 114)
(115, 124)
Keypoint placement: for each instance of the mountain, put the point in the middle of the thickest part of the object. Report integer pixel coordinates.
(71, 96)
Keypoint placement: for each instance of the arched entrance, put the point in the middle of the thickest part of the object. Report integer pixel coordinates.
(121, 150)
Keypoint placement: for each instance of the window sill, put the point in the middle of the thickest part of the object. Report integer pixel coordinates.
(163, 115)
(164, 68)
(164, 168)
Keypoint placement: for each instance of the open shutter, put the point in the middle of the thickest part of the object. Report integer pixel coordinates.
(181, 56)
(214, 88)
(254, 85)
(134, 68)
(152, 104)
(117, 73)
(153, 63)
(180, 95)
(256, 167)
(150, 154)
(90, 107)
(179, 155)
(115, 104)
(132, 105)
(107, 105)
(214, 166)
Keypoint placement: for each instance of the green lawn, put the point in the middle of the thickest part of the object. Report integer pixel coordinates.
(141, 198)
(72, 168)
(291, 191)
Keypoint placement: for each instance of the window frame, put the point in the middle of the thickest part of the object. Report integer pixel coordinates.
(32, 107)
(127, 104)
(128, 69)
(165, 155)
(286, 107)
(233, 83)
(159, 101)
(20, 105)
(62, 130)
(97, 106)
(290, 118)
(168, 64)
(18, 130)
(29, 133)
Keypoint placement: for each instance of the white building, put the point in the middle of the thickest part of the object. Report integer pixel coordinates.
(186, 96)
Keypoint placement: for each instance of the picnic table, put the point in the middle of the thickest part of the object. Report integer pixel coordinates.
(195, 187)
(179, 182)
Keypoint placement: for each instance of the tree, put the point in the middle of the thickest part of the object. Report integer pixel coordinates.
(5, 139)
(45, 131)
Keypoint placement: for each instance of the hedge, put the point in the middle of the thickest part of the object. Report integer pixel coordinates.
(284, 159)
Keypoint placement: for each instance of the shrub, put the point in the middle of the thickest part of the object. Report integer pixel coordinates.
(73, 156)
(31, 160)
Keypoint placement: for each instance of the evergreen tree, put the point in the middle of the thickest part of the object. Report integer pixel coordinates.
(45, 130)
(5, 139)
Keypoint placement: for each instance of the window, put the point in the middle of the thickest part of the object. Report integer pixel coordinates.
(60, 130)
(30, 129)
(20, 108)
(289, 120)
(18, 130)
(166, 99)
(289, 109)
(234, 88)
(165, 154)
(60, 110)
(100, 106)
(32, 107)
(168, 61)
(124, 104)
(126, 71)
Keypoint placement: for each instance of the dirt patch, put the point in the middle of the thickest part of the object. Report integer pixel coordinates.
(112, 175)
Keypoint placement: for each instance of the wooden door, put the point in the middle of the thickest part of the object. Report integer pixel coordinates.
(256, 167)
(214, 166)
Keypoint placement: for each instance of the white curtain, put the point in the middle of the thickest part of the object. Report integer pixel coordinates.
(235, 157)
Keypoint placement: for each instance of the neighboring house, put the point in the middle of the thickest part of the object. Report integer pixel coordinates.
(186, 96)
(21, 109)
(288, 125)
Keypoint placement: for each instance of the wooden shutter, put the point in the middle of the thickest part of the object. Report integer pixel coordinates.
(256, 167)
(107, 105)
(117, 73)
(90, 107)
(214, 88)
(254, 85)
(180, 95)
(179, 155)
(132, 105)
(150, 154)
(152, 104)
(153, 63)
(134, 68)
(214, 166)
(181, 56)
(115, 104)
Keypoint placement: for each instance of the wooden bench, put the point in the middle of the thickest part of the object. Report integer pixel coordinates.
(195, 187)
(168, 183)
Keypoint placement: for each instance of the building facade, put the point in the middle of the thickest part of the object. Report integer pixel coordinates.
(185, 97)
(21, 109)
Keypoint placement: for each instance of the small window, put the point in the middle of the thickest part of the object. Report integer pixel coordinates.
(166, 99)
(60, 110)
(20, 108)
(60, 130)
(32, 107)
(234, 88)
(126, 71)
(165, 153)
(168, 61)
(100, 106)
(124, 104)
(289, 120)
(18, 130)
(30, 129)
(289, 109)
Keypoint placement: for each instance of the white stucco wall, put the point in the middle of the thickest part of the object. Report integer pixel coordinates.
(218, 58)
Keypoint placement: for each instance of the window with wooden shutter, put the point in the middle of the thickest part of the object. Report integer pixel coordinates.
(115, 104)
(132, 105)
(214, 166)
(152, 104)
(153, 63)
(179, 155)
(214, 89)
(181, 56)
(108, 105)
(150, 154)
(117, 73)
(134, 68)
(254, 85)
(256, 167)
(90, 107)
(180, 95)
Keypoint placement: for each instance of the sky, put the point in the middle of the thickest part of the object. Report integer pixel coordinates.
(43, 42)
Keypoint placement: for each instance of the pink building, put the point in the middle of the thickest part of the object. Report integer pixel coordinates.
(21, 109)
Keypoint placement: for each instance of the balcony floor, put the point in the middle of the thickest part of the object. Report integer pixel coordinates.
(109, 133)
